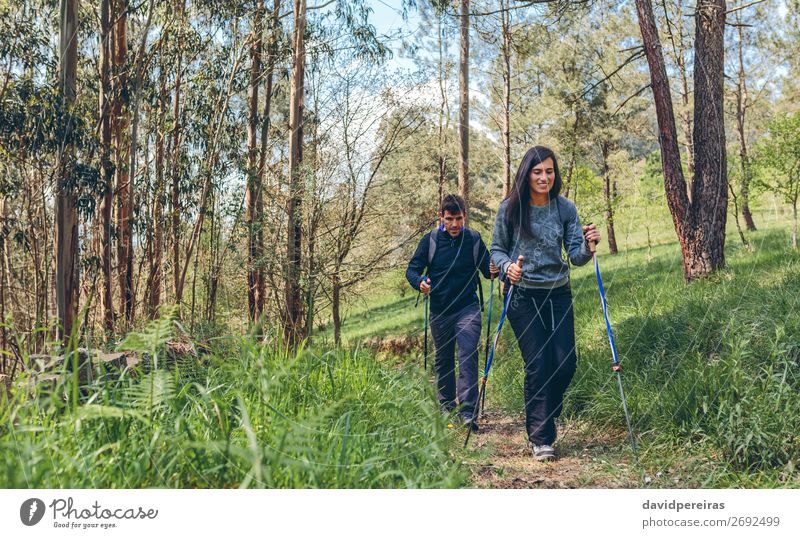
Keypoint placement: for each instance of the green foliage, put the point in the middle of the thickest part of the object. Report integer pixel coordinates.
(256, 417)
(778, 157)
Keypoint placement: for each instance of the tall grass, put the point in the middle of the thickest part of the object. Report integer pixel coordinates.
(250, 415)
(711, 369)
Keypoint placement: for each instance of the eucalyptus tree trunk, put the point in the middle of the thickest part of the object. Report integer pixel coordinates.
(293, 316)
(66, 215)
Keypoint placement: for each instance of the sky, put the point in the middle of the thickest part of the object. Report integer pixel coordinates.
(388, 20)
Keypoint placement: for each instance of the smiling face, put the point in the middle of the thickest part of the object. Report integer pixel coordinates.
(542, 177)
(453, 222)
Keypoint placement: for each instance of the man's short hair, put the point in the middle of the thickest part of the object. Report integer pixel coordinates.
(454, 204)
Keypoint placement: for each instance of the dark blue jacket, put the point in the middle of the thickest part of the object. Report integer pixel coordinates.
(452, 270)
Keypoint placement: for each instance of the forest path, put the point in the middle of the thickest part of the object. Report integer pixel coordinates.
(500, 458)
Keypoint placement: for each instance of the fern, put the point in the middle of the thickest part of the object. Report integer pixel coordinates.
(154, 336)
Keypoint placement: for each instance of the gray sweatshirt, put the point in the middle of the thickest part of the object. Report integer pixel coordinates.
(553, 225)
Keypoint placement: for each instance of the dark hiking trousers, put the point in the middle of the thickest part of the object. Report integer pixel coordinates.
(544, 325)
(462, 328)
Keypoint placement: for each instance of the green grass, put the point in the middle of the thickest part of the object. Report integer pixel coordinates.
(248, 416)
(711, 369)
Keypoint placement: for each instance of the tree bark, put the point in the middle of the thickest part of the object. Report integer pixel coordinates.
(699, 224)
(741, 112)
(294, 317)
(505, 15)
(156, 261)
(122, 149)
(443, 115)
(710, 185)
(608, 193)
(105, 105)
(272, 54)
(176, 167)
(66, 216)
(253, 194)
(463, 115)
(336, 291)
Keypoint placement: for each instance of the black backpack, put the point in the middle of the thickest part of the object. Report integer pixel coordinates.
(476, 246)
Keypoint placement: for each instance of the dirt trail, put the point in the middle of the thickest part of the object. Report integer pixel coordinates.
(499, 457)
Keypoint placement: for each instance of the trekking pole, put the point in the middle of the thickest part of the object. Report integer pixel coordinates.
(615, 367)
(416, 303)
(482, 402)
(482, 391)
(425, 352)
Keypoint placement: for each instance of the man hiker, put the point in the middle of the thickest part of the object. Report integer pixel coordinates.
(453, 256)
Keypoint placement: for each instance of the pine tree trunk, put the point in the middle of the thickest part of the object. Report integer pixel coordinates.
(710, 185)
(506, 53)
(699, 224)
(66, 217)
(441, 162)
(293, 317)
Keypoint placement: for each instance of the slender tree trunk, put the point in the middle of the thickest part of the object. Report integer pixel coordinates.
(463, 116)
(570, 169)
(293, 318)
(129, 293)
(176, 166)
(336, 291)
(106, 105)
(3, 277)
(506, 53)
(443, 113)
(272, 53)
(699, 224)
(794, 223)
(156, 261)
(735, 201)
(66, 216)
(252, 196)
(741, 112)
(608, 193)
(122, 146)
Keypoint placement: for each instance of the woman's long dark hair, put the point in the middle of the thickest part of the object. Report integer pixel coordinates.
(518, 208)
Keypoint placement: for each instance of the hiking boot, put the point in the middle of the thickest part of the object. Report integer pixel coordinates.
(543, 453)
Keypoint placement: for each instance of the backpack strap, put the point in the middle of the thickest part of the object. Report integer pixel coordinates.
(564, 230)
(476, 247)
(432, 245)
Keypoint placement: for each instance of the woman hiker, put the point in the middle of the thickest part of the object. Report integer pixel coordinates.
(453, 255)
(534, 222)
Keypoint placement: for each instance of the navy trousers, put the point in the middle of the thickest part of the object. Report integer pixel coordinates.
(544, 325)
(462, 328)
